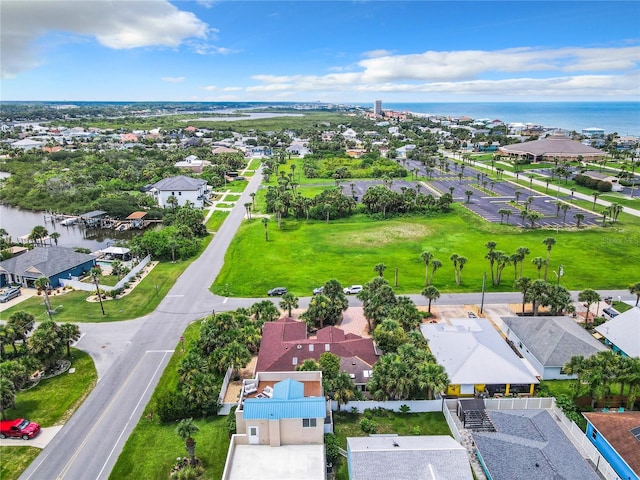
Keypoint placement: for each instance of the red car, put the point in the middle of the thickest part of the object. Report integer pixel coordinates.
(18, 428)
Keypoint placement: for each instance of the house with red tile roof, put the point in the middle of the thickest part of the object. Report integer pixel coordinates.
(285, 345)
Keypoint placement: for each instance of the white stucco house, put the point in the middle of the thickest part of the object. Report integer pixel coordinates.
(184, 189)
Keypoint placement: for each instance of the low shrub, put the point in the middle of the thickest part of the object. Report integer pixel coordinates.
(368, 426)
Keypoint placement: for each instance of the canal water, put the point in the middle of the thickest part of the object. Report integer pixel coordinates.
(19, 222)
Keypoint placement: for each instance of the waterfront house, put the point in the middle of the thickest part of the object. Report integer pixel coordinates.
(383, 457)
(623, 332)
(616, 435)
(51, 262)
(477, 359)
(548, 343)
(183, 189)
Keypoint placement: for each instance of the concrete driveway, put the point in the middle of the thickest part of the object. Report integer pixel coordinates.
(39, 441)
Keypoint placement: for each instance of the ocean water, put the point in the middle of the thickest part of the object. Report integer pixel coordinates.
(620, 117)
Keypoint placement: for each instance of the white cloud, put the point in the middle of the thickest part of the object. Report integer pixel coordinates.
(377, 53)
(119, 24)
(206, 3)
(173, 79)
(527, 71)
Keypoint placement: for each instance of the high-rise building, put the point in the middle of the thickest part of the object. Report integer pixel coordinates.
(377, 107)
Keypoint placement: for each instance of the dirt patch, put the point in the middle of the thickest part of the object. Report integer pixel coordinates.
(386, 234)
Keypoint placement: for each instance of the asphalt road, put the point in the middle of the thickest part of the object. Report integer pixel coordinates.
(131, 356)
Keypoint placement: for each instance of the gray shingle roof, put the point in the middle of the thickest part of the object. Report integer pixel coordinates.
(529, 444)
(45, 261)
(434, 457)
(179, 183)
(553, 340)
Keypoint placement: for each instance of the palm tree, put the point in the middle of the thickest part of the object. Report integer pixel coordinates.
(379, 269)
(522, 252)
(579, 218)
(458, 264)
(435, 265)
(289, 302)
(38, 233)
(523, 283)
(95, 273)
(588, 296)
(539, 262)
(265, 223)
(69, 333)
(55, 236)
(468, 193)
(7, 395)
(253, 199)
(426, 258)
(517, 194)
(564, 208)
(343, 389)
(185, 430)
(533, 217)
(22, 323)
(595, 198)
(431, 293)
(634, 289)
(247, 207)
(42, 284)
(503, 212)
(549, 242)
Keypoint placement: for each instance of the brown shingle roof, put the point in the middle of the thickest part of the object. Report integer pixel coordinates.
(616, 427)
(286, 339)
(552, 146)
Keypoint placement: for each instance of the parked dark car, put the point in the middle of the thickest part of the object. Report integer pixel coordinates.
(10, 293)
(276, 292)
(18, 428)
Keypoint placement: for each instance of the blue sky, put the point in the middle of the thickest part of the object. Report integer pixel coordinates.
(328, 51)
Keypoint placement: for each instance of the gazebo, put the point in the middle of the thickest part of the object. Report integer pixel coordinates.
(550, 148)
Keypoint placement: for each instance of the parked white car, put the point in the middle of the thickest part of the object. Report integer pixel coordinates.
(353, 289)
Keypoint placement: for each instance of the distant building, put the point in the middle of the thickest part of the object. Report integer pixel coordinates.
(592, 132)
(554, 146)
(184, 189)
(377, 107)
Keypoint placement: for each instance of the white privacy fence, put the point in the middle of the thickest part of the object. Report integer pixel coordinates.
(415, 406)
(90, 287)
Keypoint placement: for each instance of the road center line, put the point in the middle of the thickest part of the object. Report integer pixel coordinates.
(158, 368)
(107, 410)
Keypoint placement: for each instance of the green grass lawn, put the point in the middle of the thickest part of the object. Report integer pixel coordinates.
(50, 403)
(225, 205)
(141, 301)
(216, 220)
(302, 256)
(153, 447)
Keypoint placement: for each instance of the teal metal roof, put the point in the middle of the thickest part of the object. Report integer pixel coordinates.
(276, 408)
(288, 389)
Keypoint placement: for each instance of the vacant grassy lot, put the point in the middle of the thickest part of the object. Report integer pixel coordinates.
(302, 256)
(50, 403)
(153, 447)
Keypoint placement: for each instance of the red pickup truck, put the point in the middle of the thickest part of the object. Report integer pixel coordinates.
(19, 427)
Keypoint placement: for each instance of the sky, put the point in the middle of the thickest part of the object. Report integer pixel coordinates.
(319, 51)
